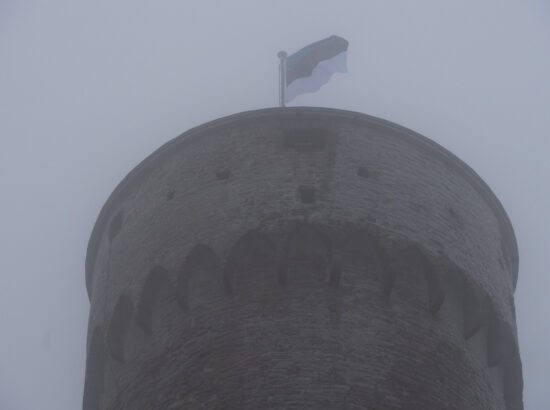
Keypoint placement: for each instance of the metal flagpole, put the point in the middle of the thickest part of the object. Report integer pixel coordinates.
(282, 77)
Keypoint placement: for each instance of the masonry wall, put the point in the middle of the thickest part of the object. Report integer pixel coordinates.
(302, 258)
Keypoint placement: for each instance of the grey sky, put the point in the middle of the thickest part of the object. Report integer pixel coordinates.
(88, 89)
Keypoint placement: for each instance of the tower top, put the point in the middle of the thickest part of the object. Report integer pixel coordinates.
(289, 122)
(278, 229)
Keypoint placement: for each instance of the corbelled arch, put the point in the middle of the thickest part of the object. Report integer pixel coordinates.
(251, 253)
(155, 287)
(95, 371)
(307, 246)
(120, 326)
(199, 277)
(410, 260)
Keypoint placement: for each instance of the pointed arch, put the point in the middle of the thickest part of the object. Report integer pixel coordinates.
(118, 332)
(94, 383)
(116, 225)
(496, 341)
(307, 247)
(251, 249)
(412, 260)
(513, 380)
(360, 247)
(198, 277)
(155, 285)
(254, 244)
(471, 312)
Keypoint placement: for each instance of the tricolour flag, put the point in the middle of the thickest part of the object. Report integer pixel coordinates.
(310, 68)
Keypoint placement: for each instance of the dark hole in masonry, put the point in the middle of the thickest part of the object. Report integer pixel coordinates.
(223, 173)
(307, 194)
(363, 172)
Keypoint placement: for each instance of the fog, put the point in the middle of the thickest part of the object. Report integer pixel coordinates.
(88, 89)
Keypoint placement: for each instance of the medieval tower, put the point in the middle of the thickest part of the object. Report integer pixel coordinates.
(302, 258)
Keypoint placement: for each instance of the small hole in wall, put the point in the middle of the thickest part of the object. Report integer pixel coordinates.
(363, 172)
(456, 220)
(307, 194)
(116, 225)
(223, 173)
(452, 212)
(170, 195)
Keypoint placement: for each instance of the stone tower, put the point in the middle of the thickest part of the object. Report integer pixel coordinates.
(302, 258)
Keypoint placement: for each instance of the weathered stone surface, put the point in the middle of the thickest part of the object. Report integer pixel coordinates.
(302, 258)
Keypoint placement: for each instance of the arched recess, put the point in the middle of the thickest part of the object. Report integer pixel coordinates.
(472, 313)
(419, 272)
(363, 249)
(94, 383)
(199, 278)
(118, 333)
(250, 254)
(496, 339)
(307, 254)
(155, 288)
(513, 378)
(116, 225)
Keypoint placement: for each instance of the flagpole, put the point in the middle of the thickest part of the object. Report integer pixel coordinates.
(282, 77)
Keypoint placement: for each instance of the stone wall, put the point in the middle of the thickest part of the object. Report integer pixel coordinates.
(302, 258)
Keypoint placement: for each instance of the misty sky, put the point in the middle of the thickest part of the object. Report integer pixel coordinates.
(88, 89)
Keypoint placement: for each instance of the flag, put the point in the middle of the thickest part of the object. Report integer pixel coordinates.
(310, 68)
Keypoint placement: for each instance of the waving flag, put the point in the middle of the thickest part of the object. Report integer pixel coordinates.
(307, 70)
